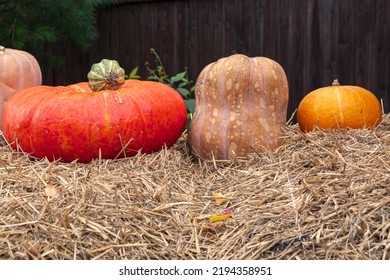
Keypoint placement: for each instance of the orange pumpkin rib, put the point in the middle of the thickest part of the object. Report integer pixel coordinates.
(372, 109)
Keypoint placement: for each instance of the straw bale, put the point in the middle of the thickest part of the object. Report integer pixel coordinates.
(322, 195)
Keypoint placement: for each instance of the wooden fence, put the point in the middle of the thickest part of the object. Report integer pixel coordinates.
(315, 41)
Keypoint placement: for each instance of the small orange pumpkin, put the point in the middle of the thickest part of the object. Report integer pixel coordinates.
(18, 70)
(337, 107)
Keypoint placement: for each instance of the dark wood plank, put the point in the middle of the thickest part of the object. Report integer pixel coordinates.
(315, 41)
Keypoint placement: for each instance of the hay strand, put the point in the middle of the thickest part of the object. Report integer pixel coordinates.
(320, 196)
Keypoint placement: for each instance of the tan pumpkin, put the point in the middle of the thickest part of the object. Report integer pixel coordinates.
(18, 70)
(241, 107)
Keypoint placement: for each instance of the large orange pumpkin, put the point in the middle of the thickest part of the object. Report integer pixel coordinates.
(241, 107)
(18, 70)
(74, 122)
(339, 107)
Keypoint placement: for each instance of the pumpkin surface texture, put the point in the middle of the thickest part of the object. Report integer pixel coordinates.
(241, 107)
(74, 122)
(18, 70)
(339, 107)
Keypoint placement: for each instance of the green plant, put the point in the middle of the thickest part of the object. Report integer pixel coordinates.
(179, 82)
(133, 74)
(31, 25)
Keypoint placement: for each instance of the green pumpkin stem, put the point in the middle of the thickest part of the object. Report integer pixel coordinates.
(106, 74)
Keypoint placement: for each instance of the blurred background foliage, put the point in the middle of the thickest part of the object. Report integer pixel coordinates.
(31, 25)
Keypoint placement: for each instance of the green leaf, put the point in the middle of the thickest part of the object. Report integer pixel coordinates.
(152, 78)
(133, 74)
(178, 77)
(181, 85)
(190, 104)
(184, 92)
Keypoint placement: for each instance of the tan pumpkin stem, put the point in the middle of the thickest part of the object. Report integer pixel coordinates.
(2, 50)
(335, 82)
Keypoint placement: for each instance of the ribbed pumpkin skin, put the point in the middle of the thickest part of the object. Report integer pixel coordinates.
(18, 70)
(73, 122)
(339, 107)
(241, 106)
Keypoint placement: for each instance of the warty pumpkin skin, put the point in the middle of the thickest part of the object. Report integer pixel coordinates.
(339, 107)
(73, 122)
(241, 107)
(18, 70)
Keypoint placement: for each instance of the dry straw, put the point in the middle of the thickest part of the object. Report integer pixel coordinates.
(319, 196)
